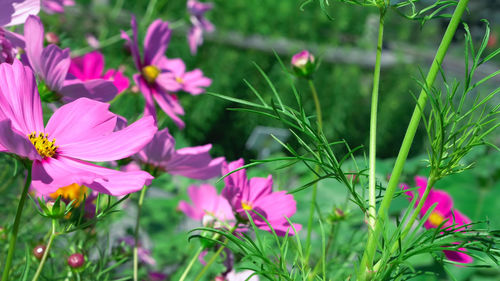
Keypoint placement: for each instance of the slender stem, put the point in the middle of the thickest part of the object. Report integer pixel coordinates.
(315, 186)
(372, 215)
(416, 212)
(371, 246)
(47, 249)
(136, 234)
(191, 263)
(210, 262)
(15, 227)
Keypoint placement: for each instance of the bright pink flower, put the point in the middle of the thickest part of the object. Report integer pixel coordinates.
(77, 132)
(192, 162)
(51, 64)
(302, 58)
(443, 212)
(257, 194)
(14, 12)
(91, 66)
(208, 206)
(56, 6)
(155, 77)
(199, 23)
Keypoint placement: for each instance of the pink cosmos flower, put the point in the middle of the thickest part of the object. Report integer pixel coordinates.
(77, 132)
(51, 64)
(303, 64)
(257, 194)
(208, 206)
(192, 162)
(14, 12)
(158, 77)
(91, 66)
(199, 23)
(443, 212)
(56, 6)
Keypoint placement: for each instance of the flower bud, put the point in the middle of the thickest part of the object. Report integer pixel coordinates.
(303, 64)
(76, 260)
(55, 209)
(38, 251)
(52, 38)
(337, 215)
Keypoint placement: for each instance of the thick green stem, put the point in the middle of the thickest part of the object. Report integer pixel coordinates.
(15, 227)
(315, 186)
(136, 234)
(46, 253)
(371, 246)
(372, 216)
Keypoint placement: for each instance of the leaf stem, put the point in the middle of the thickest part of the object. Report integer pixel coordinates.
(136, 234)
(371, 246)
(47, 249)
(15, 227)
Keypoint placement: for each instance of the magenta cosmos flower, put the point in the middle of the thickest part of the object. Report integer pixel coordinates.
(56, 6)
(77, 132)
(443, 212)
(199, 23)
(257, 195)
(192, 162)
(208, 207)
(159, 77)
(91, 66)
(51, 64)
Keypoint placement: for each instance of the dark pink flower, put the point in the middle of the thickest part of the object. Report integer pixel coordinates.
(77, 132)
(199, 23)
(51, 64)
(443, 212)
(208, 207)
(192, 162)
(91, 66)
(257, 194)
(56, 6)
(155, 77)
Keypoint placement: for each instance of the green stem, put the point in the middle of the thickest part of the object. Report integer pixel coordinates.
(372, 216)
(210, 262)
(431, 181)
(371, 246)
(191, 263)
(47, 249)
(315, 186)
(15, 227)
(136, 234)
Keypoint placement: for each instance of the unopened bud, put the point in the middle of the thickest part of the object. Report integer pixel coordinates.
(76, 260)
(52, 38)
(304, 64)
(56, 209)
(38, 251)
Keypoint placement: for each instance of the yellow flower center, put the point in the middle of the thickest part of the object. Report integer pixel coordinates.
(246, 206)
(435, 219)
(179, 80)
(43, 146)
(150, 73)
(71, 192)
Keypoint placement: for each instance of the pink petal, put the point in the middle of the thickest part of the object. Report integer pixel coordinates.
(170, 106)
(258, 188)
(134, 45)
(80, 120)
(194, 80)
(166, 80)
(54, 66)
(90, 66)
(113, 146)
(19, 99)
(147, 91)
(156, 41)
(190, 211)
(176, 66)
(14, 12)
(96, 89)
(15, 142)
(458, 256)
(120, 81)
(160, 149)
(34, 36)
(195, 163)
(236, 181)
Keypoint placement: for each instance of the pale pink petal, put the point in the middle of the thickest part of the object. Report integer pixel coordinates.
(170, 105)
(96, 89)
(19, 99)
(113, 146)
(15, 142)
(194, 81)
(54, 66)
(195, 163)
(176, 66)
(34, 36)
(167, 81)
(160, 149)
(156, 41)
(14, 12)
(80, 120)
(190, 211)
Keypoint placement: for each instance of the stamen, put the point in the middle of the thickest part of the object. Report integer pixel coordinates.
(435, 219)
(43, 146)
(246, 206)
(150, 73)
(179, 80)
